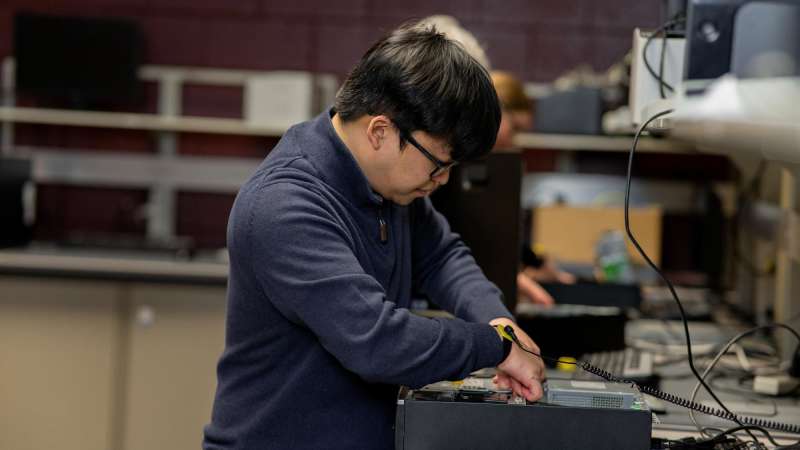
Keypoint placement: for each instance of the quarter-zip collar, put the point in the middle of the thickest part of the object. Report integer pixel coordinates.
(336, 165)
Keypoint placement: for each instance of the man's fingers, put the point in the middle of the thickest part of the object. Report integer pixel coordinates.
(502, 381)
(529, 386)
(517, 387)
(531, 389)
(535, 391)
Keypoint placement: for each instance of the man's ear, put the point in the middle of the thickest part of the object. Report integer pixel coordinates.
(379, 129)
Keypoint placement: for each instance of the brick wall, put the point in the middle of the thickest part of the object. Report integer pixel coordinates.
(537, 40)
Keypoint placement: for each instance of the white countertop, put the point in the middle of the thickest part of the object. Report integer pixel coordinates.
(105, 264)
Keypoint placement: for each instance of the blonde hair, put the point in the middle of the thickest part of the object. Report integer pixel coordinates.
(449, 26)
(510, 91)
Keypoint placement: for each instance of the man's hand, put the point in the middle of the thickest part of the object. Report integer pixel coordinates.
(549, 272)
(521, 372)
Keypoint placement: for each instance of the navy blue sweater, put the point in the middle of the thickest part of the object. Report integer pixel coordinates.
(318, 332)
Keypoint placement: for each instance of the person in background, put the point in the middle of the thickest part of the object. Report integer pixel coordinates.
(517, 109)
(328, 240)
(450, 27)
(517, 116)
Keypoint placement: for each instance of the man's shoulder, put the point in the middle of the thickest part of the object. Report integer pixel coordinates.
(292, 160)
(282, 188)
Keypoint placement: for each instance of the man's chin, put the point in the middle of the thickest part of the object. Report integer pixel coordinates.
(407, 199)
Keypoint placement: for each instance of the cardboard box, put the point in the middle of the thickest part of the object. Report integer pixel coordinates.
(570, 233)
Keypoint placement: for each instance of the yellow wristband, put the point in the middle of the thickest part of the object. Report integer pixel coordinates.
(503, 334)
(505, 338)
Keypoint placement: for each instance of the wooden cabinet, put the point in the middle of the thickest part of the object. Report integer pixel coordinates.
(87, 364)
(58, 340)
(175, 336)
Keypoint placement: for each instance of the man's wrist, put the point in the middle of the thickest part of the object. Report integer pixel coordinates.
(507, 342)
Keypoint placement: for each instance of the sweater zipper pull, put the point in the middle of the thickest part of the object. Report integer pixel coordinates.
(382, 227)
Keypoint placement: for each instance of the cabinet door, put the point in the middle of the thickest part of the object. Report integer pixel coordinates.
(176, 335)
(57, 363)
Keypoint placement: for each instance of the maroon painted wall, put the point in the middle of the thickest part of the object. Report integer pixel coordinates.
(537, 40)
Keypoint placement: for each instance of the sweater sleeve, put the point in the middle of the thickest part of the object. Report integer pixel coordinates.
(304, 263)
(446, 272)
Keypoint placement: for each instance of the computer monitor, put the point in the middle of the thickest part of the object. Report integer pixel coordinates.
(78, 62)
(481, 202)
(748, 38)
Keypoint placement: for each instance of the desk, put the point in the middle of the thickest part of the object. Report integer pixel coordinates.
(677, 379)
(675, 422)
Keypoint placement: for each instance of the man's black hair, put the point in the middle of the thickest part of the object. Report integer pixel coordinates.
(425, 82)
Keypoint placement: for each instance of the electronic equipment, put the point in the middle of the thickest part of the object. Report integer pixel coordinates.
(16, 198)
(481, 201)
(78, 62)
(689, 404)
(625, 296)
(578, 110)
(644, 94)
(601, 394)
(675, 8)
(743, 56)
(571, 415)
(631, 364)
(572, 330)
(474, 414)
(746, 38)
(697, 303)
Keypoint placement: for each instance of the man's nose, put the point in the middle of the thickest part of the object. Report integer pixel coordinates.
(443, 177)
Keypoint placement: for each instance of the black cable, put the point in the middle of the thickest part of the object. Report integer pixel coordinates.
(752, 422)
(662, 29)
(641, 251)
(661, 59)
(730, 431)
(661, 274)
(727, 347)
(510, 330)
(661, 83)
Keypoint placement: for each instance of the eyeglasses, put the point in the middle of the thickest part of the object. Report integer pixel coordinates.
(441, 166)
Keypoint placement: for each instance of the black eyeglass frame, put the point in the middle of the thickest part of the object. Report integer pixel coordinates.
(441, 166)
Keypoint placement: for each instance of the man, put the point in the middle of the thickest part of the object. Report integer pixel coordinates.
(326, 242)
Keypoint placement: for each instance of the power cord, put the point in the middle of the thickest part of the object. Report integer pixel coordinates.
(731, 431)
(661, 274)
(660, 75)
(507, 332)
(753, 424)
(724, 350)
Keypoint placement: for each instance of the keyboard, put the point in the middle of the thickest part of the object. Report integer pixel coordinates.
(631, 364)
